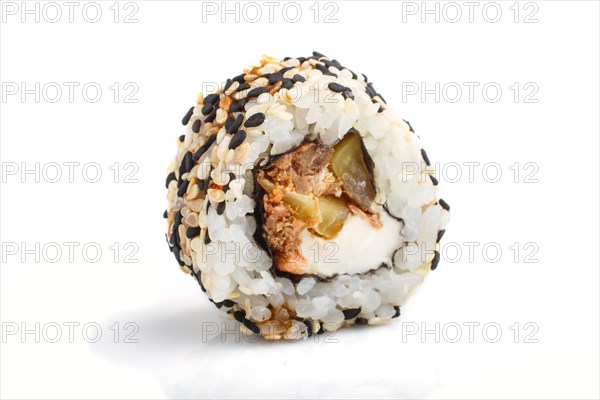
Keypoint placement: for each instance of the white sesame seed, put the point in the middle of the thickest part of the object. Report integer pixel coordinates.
(292, 62)
(229, 156)
(221, 116)
(216, 195)
(220, 135)
(241, 151)
(223, 147)
(196, 205)
(232, 88)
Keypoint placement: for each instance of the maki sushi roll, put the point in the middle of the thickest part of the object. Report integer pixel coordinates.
(299, 203)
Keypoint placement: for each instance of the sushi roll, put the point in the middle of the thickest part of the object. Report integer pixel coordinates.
(299, 203)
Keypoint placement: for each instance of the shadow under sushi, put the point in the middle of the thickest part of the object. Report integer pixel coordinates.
(195, 351)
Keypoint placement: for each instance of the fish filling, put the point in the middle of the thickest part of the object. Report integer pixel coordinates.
(320, 217)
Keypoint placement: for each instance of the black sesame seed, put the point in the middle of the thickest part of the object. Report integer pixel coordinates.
(351, 313)
(218, 305)
(336, 87)
(170, 177)
(201, 285)
(239, 78)
(187, 116)
(228, 84)
(321, 329)
(228, 123)
(410, 128)
(211, 116)
(206, 187)
(397, 314)
(381, 97)
(361, 321)
(221, 208)
(327, 63)
(165, 214)
(317, 54)
(204, 147)
(237, 106)
(181, 138)
(178, 218)
(207, 109)
(207, 237)
(337, 64)
(425, 158)
(192, 232)
(440, 235)
(380, 109)
(370, 91)
(275, 77)
(211, 99)
(188, 161)
(239, 316)
(176, 254)
(172, 240)
(251, 325)
(298, 78)
(436, 260)
(287, 58)
(354, 76)
(323, 69)
(255, 120)
(301, 59)
(284, 70)
(243, 86)
(257, 92)
(308, 327)
(347, 94)
(228, 303)
(366, 79)
(235, 125)
(433, 180)
(183, 188)
(196, 126)
(287, 83)
(176, 241)
(237, 139)
(444, 205)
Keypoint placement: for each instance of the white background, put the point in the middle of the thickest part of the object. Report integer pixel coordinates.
(169, 54)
